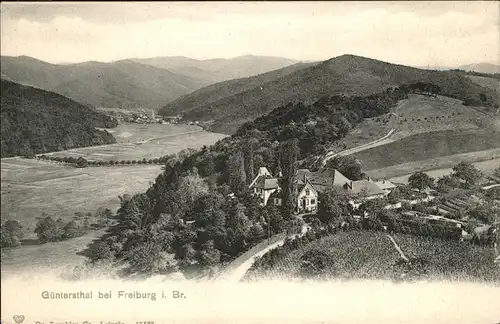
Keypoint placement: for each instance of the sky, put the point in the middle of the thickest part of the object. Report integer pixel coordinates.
(436, 34)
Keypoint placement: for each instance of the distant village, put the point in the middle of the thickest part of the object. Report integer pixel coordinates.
(149, 117)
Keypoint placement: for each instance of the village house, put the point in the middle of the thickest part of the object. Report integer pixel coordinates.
(386, 186)
(264, 185)
(308, 183)
(365, 189)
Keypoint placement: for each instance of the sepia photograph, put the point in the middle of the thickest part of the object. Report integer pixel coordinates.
(250, 162)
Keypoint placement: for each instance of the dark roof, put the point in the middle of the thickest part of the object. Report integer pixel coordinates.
(321, 179)
(266, 183)
(370, 188)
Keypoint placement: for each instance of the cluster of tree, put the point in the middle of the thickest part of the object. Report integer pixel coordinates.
(81, 162)
(11, 234)
(37, 121)
(425, 87)
(201, 223)
(322, 123)
(50, 230)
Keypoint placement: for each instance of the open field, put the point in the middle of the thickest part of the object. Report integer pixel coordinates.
(486, 82)
(138, 141)
(371, 255)
(486, 160)
(426, 146)
(421, 114)
(369, 130)
(31, 187)
(56, 257)
(416, 115)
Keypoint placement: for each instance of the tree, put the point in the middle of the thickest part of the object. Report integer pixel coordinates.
(208, 254)
(148, 258)
(446, 183)
(99, 251)
(496, 173)
(238, 227)
(483, 98)
(249, 161)
(288, 161)
(256, 233)
(347, 165)
(81, 162)
(334, 205)
(11, 234)
(486, 213)
(236, 173)
(467, 172)
(191, 187)
(372, 207)
(72, 230)
(47, 230)
(420, 180)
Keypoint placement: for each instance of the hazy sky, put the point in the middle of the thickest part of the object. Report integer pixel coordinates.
(421, 33)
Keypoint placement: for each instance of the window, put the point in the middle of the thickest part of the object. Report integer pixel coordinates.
(313, 201)
(308, 192)
(307, 202)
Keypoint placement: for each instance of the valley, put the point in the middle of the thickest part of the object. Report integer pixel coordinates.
(31, 187)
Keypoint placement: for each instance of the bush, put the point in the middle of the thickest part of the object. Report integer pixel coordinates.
(11, 234)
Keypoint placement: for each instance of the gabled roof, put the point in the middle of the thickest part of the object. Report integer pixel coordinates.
(301, 187)
(370, 188)
(322, 179)
(264, 182)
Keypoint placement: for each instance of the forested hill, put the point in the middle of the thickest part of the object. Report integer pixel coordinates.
(348, 75)
(39, 121)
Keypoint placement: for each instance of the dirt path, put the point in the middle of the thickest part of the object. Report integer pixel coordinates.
(235, 275)
(401, 253)
(381, 141)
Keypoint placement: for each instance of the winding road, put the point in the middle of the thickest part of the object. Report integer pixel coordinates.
(381, 141)
(235, 275)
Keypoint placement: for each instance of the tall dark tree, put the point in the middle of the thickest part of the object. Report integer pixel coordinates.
(236, 173)
(420, 180)
(347, 165)
(467, 172)
(249, 163)
(288, 159)
(334, 206)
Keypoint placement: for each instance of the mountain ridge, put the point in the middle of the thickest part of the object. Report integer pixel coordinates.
(125, 84)
(348, 74)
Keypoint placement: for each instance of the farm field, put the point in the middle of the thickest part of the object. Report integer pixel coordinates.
(138, 141)
(422, 114)
(486, 161)
(416, 115)
(31, 187)
(426, 146)
(55, 257)
(486, 82)
(371, 255)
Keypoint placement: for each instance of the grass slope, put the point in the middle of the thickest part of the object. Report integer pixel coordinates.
(427, 146)
(346, 74)
(38, 121)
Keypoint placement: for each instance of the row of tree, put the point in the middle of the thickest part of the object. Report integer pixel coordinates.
(81, 162)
